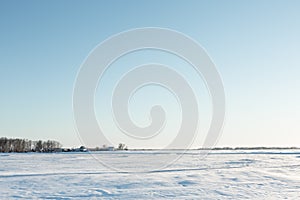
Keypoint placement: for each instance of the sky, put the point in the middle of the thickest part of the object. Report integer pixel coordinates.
(254, 44)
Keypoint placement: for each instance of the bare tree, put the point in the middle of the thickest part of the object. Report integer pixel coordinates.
(23, 145)
(121, 146)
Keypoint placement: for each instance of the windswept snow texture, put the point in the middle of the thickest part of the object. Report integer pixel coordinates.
(220, 175)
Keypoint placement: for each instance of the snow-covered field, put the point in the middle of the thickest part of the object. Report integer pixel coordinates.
(221, 175)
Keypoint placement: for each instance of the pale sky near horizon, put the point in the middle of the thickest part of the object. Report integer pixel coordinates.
(254, 44)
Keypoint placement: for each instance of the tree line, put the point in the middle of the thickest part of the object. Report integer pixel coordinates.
(8, 145)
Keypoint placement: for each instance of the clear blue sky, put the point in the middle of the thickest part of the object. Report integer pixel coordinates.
(254, 44)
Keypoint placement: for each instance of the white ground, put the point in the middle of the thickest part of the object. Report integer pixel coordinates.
(221, 175)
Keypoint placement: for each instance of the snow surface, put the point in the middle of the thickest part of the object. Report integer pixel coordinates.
(220, 175)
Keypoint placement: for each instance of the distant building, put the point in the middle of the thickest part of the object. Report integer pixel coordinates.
(83, 149)
(110, 148)
(105, 148)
